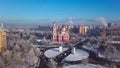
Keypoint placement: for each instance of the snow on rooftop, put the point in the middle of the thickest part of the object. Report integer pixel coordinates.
(78, 55)
(51, 53)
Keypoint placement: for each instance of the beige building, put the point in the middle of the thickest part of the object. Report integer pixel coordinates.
(83, 29)
(3, 43)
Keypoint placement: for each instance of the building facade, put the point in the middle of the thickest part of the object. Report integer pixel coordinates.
(83, 29)
(3, 43)
(60, 33)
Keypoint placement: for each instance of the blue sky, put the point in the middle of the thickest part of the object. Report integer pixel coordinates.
(59, 9)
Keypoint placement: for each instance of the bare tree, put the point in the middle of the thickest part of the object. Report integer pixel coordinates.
(51, 63)
(85, 61)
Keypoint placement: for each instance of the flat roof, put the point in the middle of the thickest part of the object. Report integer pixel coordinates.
(51, 53)
(79, 55)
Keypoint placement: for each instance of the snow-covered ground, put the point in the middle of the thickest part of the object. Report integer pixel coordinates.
(111, 57)
(83, 66)
(109, 54)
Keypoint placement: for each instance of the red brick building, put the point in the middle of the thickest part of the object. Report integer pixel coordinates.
(61, 33)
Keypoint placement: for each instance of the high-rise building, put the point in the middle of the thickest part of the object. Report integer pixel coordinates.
(83, 29)
(3, 44)
(109, 24)
(115, 30)
(86, 29)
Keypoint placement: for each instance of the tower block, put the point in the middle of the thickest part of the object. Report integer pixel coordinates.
(3, 43)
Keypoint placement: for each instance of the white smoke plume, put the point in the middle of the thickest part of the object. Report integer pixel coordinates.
(102, 20)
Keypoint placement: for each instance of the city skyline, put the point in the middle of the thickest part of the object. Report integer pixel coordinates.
(45, 11)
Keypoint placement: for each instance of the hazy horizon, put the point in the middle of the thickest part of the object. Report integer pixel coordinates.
(50, 22)
(44, 12)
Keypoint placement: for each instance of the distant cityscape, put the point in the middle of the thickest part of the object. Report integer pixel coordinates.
(59, 33)
(58, 44)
